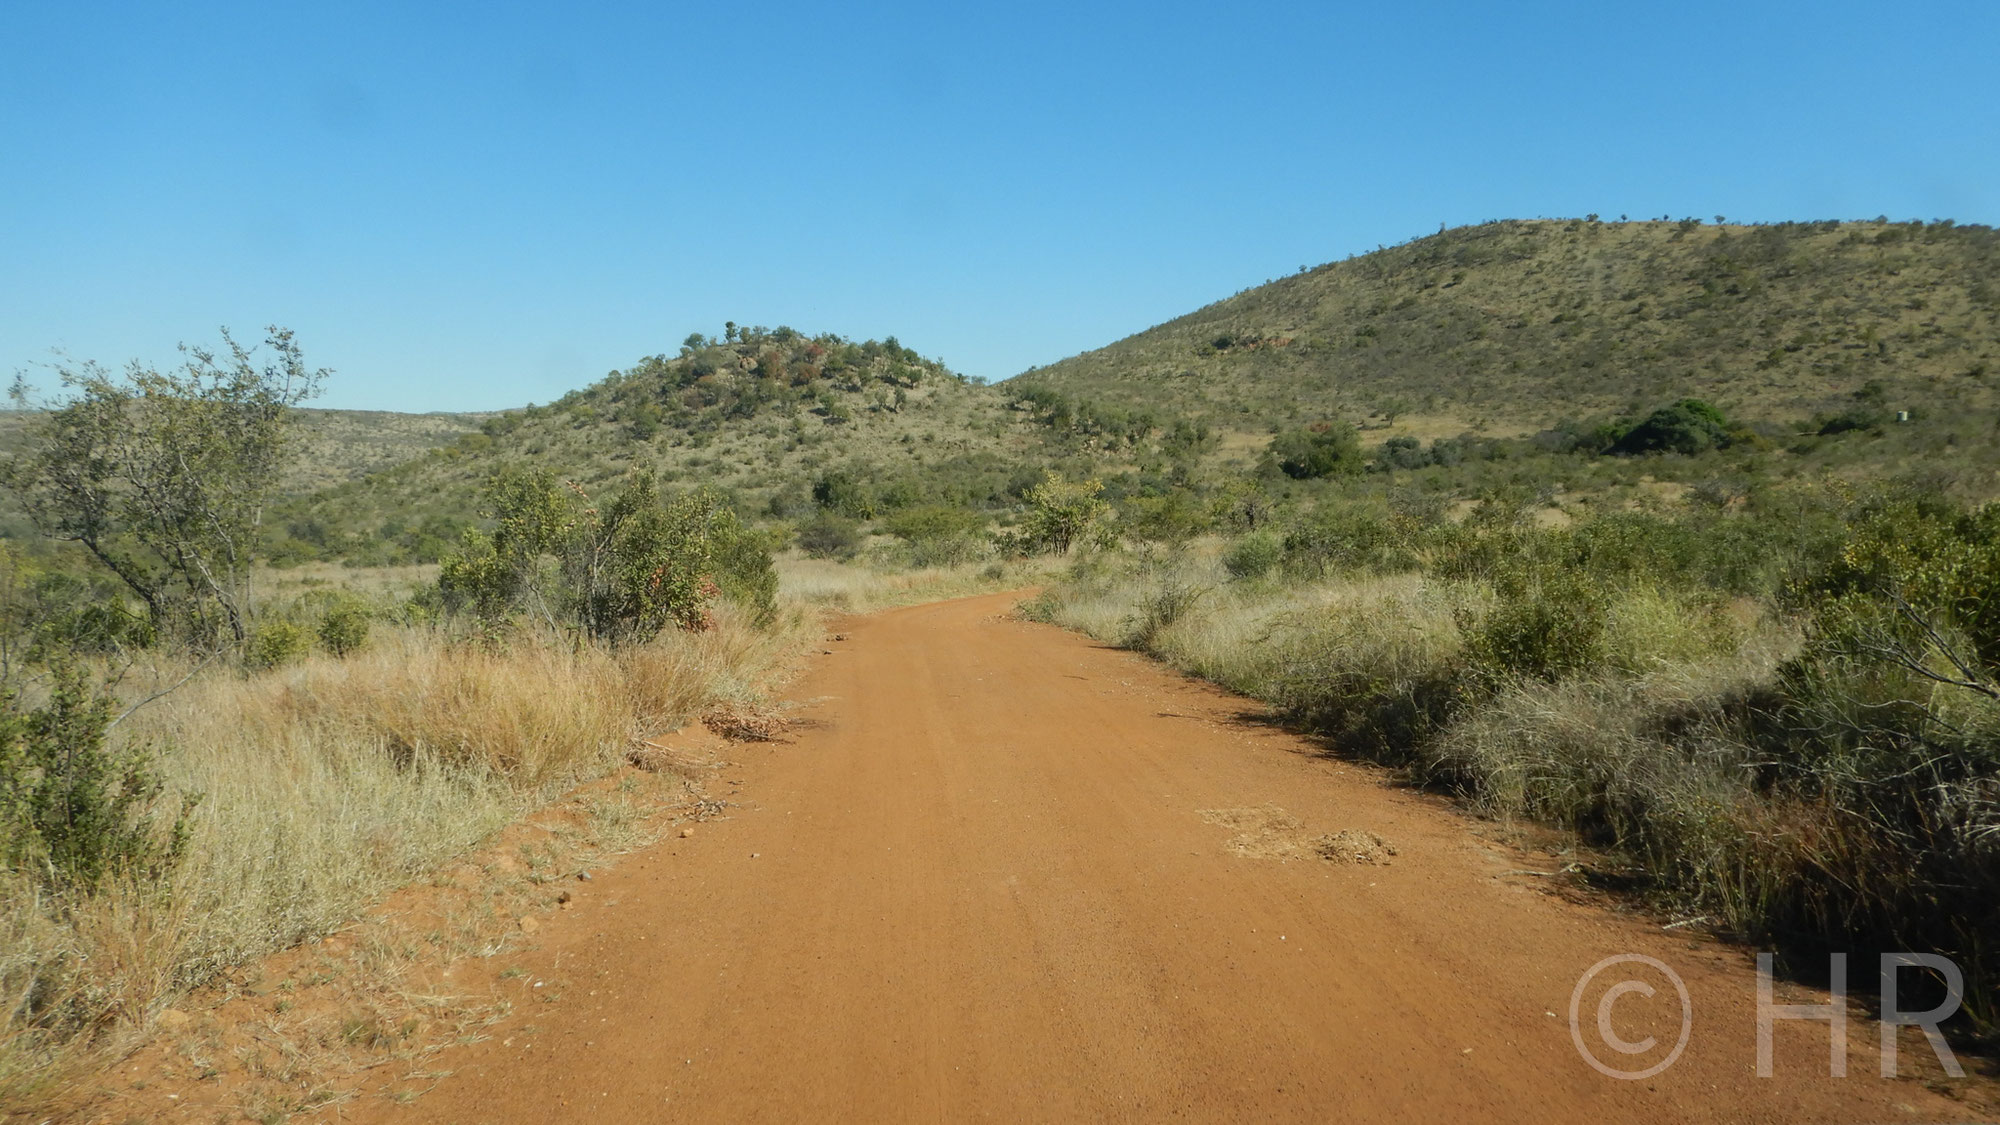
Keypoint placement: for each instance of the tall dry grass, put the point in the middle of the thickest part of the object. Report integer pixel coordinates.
(324, 784)
(855, 587)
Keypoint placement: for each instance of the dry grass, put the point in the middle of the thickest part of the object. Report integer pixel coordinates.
(325, 784)
(855, 588)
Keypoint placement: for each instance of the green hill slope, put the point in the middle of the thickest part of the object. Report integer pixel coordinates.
(760, 414)
(1512, 326)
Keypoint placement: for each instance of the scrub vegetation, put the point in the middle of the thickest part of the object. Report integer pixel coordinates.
(1676, 536)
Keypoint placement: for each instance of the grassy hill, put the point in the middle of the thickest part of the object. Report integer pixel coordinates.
(761, 414)
(1510, 327)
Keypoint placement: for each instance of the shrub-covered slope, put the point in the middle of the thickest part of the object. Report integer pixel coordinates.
(1517, 325)
(760, 414)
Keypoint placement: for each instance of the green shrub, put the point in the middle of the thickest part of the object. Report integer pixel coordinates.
(1174, 517)
(1543, 623)
(1253, 556)
(1170, 595)
(938, 535)
(1320, 450)
(343, 628)
(275, 642)
(1402, 453)
(830, 536)
(1342, 539)
(1380, 684)
(1689, 426)
(932, 521)
(1063, 513)
(74, 811)
(618, 570)
(947, 550)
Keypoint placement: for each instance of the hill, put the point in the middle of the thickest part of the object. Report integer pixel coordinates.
(335, 445)
(1513, 326)
(760, 414)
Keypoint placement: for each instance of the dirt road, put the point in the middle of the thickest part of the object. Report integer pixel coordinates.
(1007, 874)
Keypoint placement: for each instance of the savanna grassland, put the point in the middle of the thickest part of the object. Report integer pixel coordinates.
(1675, 537)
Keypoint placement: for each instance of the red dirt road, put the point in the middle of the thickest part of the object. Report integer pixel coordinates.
(978, 886)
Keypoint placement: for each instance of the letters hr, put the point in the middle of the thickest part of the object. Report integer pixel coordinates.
(1834, 1012)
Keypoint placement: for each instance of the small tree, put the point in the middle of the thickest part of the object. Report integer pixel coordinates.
(163, 476)
(1062, 513)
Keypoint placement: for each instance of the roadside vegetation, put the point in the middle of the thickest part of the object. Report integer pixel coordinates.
(201, 762)
(1780, 716)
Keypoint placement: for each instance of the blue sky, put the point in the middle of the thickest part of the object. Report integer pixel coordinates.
(479, 206)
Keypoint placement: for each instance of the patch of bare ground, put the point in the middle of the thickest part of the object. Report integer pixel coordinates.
(1269, 832)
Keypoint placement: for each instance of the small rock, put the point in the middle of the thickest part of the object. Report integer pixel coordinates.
(688, 831)
(583, 876)
(562, 899)
(173, 1019)
(529, 924)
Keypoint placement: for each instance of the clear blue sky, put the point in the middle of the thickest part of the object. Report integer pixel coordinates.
(479, 206)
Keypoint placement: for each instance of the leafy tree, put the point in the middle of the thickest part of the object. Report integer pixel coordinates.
(163, 476)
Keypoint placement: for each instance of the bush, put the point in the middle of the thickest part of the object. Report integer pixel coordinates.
(1253, 556)
(1171, 518)
(830, 536)
(619, 570)
(938, 535)
(1062, 513)
(1170, 595)
(1543, 623)
(1689, 426)
(1403, 453)
(275, 642)
(1864, 418)
(934, 521)
(343, 628)
(1379, 681)
(1320, 450)
(1352, 539)
(947, 550)
(75, 812)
